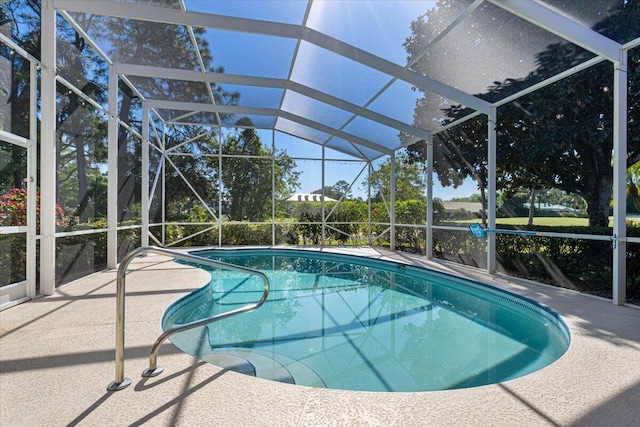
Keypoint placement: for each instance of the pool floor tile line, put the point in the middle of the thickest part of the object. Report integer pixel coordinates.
(55, 365)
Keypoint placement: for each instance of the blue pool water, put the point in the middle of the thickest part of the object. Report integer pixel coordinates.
(354, 323)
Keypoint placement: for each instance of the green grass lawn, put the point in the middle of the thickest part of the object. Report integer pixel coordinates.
(557, 221)
(546, 221)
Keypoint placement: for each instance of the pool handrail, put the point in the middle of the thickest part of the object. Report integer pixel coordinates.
(121, 382)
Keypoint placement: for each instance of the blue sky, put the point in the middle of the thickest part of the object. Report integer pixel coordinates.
(311, 176)
(379, 27)
(311, 173)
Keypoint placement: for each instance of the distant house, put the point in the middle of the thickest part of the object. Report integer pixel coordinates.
(306, 197)
(470, 207)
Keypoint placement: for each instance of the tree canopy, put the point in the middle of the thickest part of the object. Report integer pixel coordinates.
(248, 180)
(410, 181)
(559, 137)
(20, 19)
(336, 191)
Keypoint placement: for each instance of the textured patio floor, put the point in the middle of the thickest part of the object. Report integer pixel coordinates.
(56, 360)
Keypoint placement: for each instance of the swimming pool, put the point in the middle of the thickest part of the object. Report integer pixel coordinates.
(354, 323)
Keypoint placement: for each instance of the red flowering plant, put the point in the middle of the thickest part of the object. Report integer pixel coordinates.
(13, 209)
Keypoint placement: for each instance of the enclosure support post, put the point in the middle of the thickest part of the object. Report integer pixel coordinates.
(48, 150)
(369, 230)
(144, 194)
(273, 187)
(392, 203)
(429, 246)
(491, 183)
(112, 171)
(324, 222)
(619, 179)
(32, 182)
(163, 187)
(220, 204)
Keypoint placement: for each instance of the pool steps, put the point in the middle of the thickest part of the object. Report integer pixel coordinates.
(266, 365)
(230, 362)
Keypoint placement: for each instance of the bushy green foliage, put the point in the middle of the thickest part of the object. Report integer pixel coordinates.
(242, 234)
(233, 234)
(13, 250)
(579, 264)
(459, 246)
(76, 256)
(347, 217)
(310, 217)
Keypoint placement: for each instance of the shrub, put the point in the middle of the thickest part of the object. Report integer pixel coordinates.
(349, 214)
(311, 215)
(13, 209)
(584, 265)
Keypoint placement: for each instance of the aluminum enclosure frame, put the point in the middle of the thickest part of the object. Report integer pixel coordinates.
(605, 49)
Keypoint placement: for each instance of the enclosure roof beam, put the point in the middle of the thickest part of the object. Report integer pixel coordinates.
(148, 12)
(562, 26)
(218, 78)
(418, 80)
(233, 109)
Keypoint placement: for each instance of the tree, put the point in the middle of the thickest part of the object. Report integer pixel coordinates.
(247, 175)
(341, 189)
(82, 132)
(327, 190)
(471, 198)
(336, 191)
(516, 204)
(79, 132)
(557, 137)
(142, 43)
(199, 166)
(410, 183)
(458, 153)
(22, 18)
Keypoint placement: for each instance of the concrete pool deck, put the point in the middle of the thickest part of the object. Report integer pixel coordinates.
(57, 358)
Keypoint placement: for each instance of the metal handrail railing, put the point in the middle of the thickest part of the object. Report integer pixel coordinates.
(121, 382)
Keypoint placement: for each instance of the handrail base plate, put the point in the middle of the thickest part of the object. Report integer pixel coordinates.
(114, 386)
(152, 372)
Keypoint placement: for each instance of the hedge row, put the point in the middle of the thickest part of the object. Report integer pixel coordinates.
(76, 256)
(584, 265)
(579, 264)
